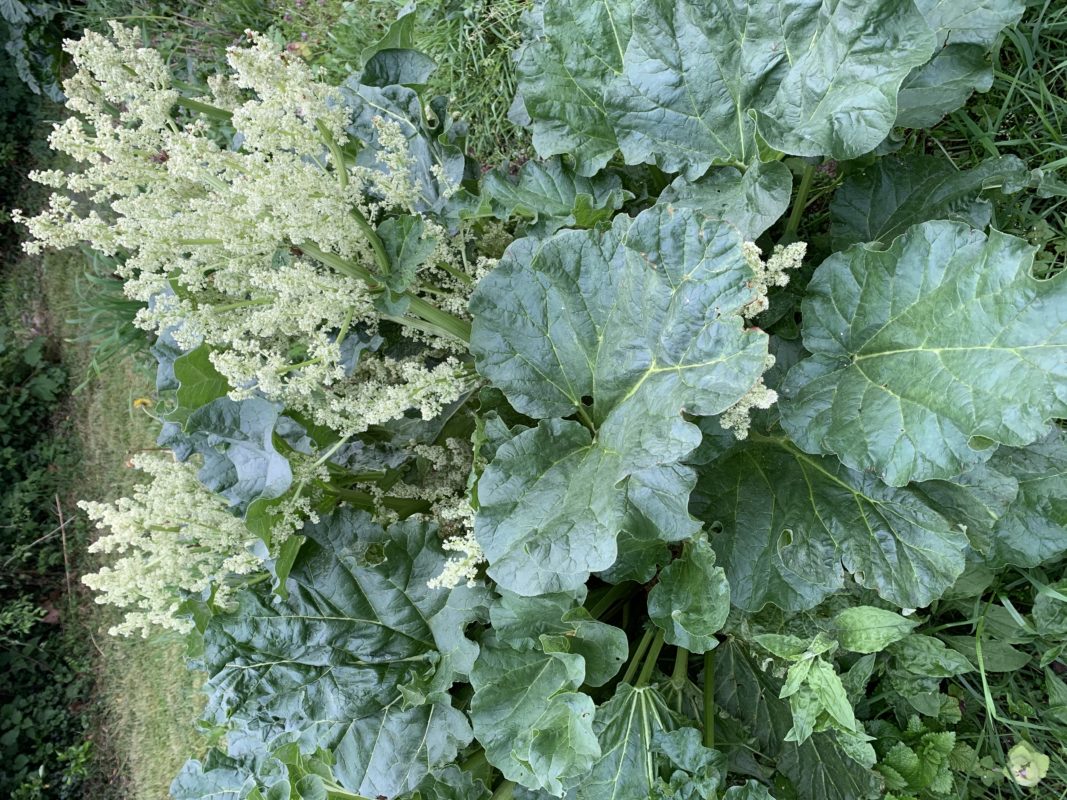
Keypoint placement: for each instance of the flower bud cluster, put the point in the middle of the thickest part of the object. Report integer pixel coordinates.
(172, 537)
(772, 272)
(210, 225)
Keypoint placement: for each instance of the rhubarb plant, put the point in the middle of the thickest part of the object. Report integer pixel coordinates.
(588, 478)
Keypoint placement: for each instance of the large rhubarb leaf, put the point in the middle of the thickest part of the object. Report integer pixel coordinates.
(753, 201)
(685, 84)
(1034, 527)
(926, 352)
(625, 726)
(563, 73)
(625, 329)
(360, 657)
(550, 196)
(792, 524)
(884, 200)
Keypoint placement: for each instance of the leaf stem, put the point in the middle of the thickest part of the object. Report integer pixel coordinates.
(607, 600)
(208, 110)
(799, 204)
(680, 674)
(709, 699)
(650, 659)
(642, 646)
(505, 791)
(440, 322)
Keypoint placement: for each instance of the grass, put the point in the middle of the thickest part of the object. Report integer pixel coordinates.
(1024, 114)
(145, 702)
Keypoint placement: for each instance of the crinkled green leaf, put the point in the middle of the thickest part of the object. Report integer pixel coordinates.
(626, 328)
(866, 629)
(694, 773)
(793, 523)
(972, 21)
(896, 192)
(407, 246)
(996, 656)
(753, 201)
(943, 85)
(625, 726)
(550, 195)
(235, 439)
(975, 501)
(1050, 610)
(691, 600)
(657, 512)
(451, 783)
(404, 67)
(542, 736)
(1034, 527)
(557, 623)
(434, 166)
(225, 781)
(818, 769)
(198, 382)
(563, 74)
(839, 97)
(928, 657)
(682, 83)
(341, 659)
(926, 352)
(820, 78)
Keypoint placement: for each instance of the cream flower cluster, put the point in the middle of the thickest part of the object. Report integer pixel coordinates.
(211, 226)
(772, 272)
(172, 536)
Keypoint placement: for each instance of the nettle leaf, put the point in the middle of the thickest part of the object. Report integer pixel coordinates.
(818, 769)
(753, 200)
(625, 727)
(542, 736)
(626, 329)
(867, 629)
(691, 600)
(551, 196)
(360, 657)
(562, 76)
(792, 523)
(926, 352)
(884, 200)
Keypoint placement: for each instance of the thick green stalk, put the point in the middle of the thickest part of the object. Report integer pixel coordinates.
(405, 506)
(433, 319)
(208, 110)
(709, 699)
(505, 791)
(608, 599)
(680, 675)
(650, 659)
(799, 204)
(635, 660)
